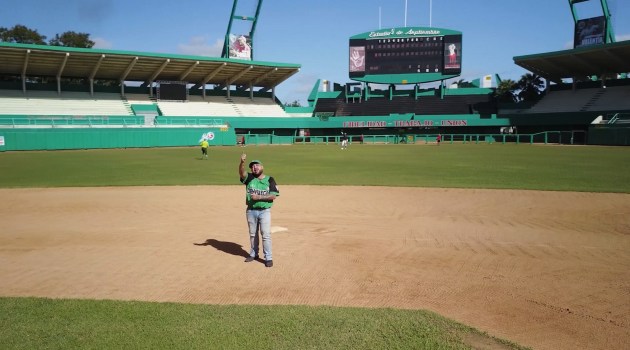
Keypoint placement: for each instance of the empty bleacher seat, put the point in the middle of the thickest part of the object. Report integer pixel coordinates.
(222, 106)
(261, 107)
(139, 99)
(15, 102)
(582, 100)
(615, 98)
(212, 106)
(423, 105)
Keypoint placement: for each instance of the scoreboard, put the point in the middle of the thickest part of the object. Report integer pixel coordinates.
(405, 55)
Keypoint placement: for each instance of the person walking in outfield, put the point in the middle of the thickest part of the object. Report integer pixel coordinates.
(438, 139)
(344, 140)
(204, 148)
(260, 192)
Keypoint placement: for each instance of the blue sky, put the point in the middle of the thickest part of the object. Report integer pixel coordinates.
(315, 33)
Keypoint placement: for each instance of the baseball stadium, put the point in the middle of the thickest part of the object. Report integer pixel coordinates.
(460, 216)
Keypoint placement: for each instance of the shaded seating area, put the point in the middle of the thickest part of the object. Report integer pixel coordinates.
(424, 105)
(583, 100)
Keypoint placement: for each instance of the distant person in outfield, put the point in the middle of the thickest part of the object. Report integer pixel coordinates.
(344, 140)
(260, 192)
(438, 139)
(204, 149)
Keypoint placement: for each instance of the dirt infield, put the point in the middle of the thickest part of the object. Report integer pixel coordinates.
(550, 270)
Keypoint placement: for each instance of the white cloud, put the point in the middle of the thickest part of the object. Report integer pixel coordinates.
(100, 43)
(568, 45)
(297, 88)
(304, 86)
(301, 83)
(197, 46)
(622, 37)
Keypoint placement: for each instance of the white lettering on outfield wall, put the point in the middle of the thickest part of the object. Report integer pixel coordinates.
(454, 122)
(408, 123)
(404, 123)
(365, 124)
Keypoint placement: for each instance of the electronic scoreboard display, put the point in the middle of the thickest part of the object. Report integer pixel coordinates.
(172, 91)
(405, 55)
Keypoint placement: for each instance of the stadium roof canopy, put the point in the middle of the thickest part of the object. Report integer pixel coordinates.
(580, 63)
(67, 62)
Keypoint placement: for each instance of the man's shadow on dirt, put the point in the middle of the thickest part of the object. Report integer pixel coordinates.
(226, 247)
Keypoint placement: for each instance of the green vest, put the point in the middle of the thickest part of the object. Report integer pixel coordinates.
(265, 186)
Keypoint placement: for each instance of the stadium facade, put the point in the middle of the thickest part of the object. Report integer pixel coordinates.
(55, 97)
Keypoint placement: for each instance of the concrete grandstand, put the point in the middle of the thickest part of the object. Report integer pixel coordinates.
(66, 95)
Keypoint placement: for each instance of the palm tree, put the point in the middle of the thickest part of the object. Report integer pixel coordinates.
(531, 87)
(464, 84)
(505, 91)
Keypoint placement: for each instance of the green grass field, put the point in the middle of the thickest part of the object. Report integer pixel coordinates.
(29, 323)
(510, 166)
(32, 323)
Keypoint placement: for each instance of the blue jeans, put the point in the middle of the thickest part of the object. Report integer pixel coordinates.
(259, 219)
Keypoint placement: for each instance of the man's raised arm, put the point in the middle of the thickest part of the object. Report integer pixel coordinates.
(241, 167)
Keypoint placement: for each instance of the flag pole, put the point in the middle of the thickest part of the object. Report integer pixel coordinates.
(405, 13)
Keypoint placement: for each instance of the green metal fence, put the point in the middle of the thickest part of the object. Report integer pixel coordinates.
(60, 138)
(547, 137)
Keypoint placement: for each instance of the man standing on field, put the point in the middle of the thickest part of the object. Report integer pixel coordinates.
(204, 149)
(261, 191)
(344, 140)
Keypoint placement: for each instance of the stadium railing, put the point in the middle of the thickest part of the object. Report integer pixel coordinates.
(547, 137)
(109, 121)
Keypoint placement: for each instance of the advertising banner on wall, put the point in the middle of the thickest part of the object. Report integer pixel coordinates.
(208, 136)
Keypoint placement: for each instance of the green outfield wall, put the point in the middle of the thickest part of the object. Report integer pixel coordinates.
(67, 132)
(85, 138)
(609, 135)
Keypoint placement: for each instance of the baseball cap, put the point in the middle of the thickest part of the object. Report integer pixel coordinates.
(254, 162)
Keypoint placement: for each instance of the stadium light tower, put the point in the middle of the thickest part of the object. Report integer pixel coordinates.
(241, 45)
